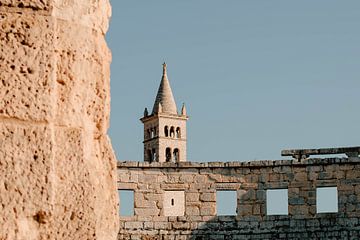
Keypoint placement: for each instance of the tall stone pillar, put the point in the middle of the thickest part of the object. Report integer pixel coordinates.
(57, 167)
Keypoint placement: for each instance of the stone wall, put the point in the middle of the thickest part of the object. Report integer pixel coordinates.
(57, 168)
(200, 181)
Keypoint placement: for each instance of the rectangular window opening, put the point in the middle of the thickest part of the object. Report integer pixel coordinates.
(326, 200)
(226, 202)
(277, 202)
(126, 202)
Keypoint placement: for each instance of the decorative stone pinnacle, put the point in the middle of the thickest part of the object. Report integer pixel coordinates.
(183, 110)
(146, 112)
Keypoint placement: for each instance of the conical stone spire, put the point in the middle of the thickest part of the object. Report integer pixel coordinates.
(165, 96)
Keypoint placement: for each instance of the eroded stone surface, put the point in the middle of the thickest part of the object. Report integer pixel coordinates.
(82, 79)
(26, 53)
(57, 167)
(92, 14)
(25, 186)
(23, 4)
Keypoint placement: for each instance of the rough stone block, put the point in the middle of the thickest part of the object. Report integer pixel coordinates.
(25, 186)
(245, 210)
(181, 225)
(36, 5)
(162, 225)
(192, 211)
(93, 15)
(124, 186)
(300, 176)
(261, 195)
(148, 225)
(208, 210)
(147, 211)
(208, 197)
(194, 196)
(187, 178)
(352, 174)
(133, 225)
(200, 178)
(153, 196)
(82, 82)
(26, 79)
(145, 204)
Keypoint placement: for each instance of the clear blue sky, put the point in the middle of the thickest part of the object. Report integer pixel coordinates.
(256, 76)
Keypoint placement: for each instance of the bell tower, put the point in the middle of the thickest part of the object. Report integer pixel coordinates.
(164, 128)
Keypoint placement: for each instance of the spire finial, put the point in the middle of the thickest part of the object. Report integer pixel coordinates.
(164, 68)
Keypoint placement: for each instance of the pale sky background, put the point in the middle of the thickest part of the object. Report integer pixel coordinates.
(257, 76)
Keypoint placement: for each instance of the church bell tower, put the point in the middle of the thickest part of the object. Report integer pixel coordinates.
(164, 128)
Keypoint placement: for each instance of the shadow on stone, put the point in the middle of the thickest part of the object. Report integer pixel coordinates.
(327, 226)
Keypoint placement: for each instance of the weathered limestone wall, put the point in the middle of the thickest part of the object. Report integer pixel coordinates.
(199, 181)
(57, 168)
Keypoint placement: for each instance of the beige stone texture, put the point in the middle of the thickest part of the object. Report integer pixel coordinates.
(174, 203)
(247, 178)
(57, 167)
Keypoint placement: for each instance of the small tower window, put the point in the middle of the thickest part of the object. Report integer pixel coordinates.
(149, 156)
(152, 132)
(166, 131)
(178, 133)
(153, 155)
(148, 134)
(176, 155)
(172, 132)
(168, 154)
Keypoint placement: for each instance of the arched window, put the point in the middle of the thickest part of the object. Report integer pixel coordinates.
(176, 155)
(168, 154)
(172, 132)
(148, 134)
(178, 133)
(152, 132)
(166, 131)
(149, 155)
(154, 155)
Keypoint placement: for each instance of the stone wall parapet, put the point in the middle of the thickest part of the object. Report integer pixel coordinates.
(246, 164)
(200, 182)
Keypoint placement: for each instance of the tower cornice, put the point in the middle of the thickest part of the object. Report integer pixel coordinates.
(163, 115)
(165, 138)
